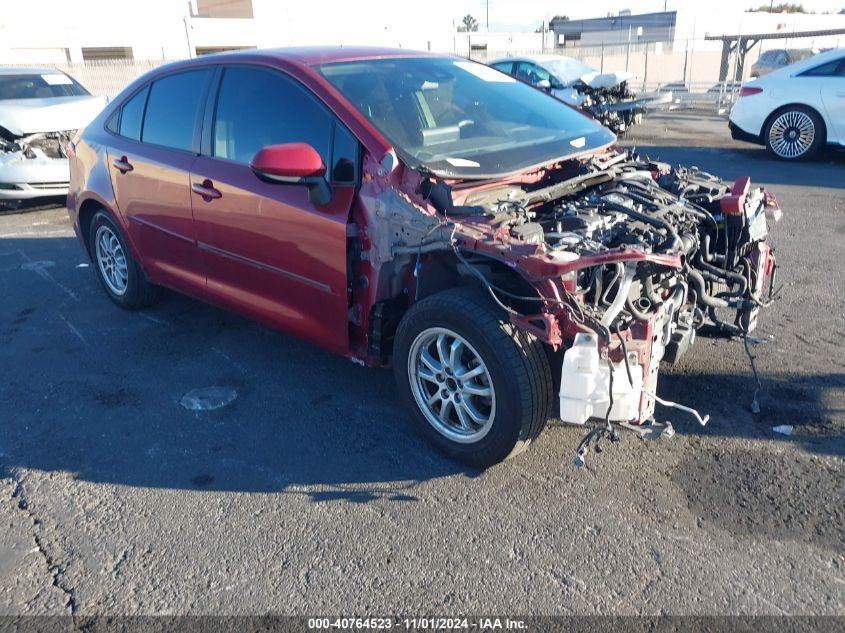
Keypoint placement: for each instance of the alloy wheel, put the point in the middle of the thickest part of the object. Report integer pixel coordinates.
(791, 134)
(111, 260)
(451, 384)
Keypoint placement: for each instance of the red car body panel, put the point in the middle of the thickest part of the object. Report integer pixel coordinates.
(154, 198)
(269, 253)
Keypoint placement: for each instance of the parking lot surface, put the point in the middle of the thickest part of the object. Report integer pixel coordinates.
(309, 493)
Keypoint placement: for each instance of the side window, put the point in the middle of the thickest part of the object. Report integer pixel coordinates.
(505, 67)
(131, 115)
(257, 107)
(836, 68)
(531, 73)
(172, 109)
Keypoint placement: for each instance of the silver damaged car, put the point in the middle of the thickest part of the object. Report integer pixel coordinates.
(40, 112)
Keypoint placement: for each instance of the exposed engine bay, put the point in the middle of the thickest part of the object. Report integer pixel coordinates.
(31, 146)
(33, 165)
(40, 113)
(630, 259)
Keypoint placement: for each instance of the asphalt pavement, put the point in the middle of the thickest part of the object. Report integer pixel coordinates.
(309, 492)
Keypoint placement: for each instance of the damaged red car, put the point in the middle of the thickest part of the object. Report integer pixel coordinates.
(424, 211)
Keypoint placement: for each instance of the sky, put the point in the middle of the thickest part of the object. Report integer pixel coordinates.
(515, 15)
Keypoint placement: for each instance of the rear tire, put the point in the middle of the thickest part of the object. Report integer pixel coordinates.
(495, 378)
(118, 272)
(794, 133)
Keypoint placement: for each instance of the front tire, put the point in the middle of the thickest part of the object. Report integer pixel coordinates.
(480, 390)
(118, 272)
(794, 133)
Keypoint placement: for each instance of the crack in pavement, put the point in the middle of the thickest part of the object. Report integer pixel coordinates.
(57, 571)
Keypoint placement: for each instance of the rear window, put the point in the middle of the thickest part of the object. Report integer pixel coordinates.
(172, 109)
(39, 86)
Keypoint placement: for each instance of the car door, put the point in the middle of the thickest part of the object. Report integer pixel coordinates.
(823, 88)
(155, 141)
(269, 252)
(833, 98)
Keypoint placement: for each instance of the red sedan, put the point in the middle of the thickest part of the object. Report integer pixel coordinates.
(424, 210)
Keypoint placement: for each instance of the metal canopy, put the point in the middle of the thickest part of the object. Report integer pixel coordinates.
(742, 43)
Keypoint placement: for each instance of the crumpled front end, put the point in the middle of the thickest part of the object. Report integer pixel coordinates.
(628, 260)
(34, 136)
(615, 105)
(34, 165)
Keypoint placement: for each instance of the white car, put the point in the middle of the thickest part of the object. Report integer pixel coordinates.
(795, 110)
(40, 111)
(604, 95)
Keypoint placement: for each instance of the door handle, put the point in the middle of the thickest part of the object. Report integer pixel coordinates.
(122, 165)
(206, 190)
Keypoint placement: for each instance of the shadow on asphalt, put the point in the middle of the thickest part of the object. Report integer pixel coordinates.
(37, 204)
(803, 403)
(731, 163)
(95, 391)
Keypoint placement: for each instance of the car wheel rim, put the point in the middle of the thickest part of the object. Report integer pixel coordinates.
(111, 260)
(451, 385)
(792, 134)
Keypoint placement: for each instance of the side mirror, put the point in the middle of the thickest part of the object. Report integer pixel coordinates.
(545, 84)
(294, 164)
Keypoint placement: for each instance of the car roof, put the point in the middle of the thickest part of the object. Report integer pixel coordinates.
(314, 55)
(22, 70)
(531, 58)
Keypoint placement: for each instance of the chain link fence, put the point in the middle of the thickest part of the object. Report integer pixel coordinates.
(696, 71)
(103, 76)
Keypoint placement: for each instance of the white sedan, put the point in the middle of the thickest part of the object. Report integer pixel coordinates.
(795, 110)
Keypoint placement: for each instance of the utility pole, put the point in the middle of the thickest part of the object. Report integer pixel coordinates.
(487, 3)
(188, 39)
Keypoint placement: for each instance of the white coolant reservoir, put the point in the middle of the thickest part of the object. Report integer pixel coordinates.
(585, 380)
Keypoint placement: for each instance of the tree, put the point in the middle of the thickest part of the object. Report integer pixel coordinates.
(557, 18)
(783, 7)
(468, 24)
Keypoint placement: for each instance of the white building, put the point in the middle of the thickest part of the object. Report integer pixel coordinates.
(58, 31)
(674, 29)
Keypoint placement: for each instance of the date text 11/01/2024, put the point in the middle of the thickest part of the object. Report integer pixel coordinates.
(415, 623)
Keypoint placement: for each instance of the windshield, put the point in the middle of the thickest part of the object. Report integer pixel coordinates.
(39, 86)
(567, 69)
(461, 119)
